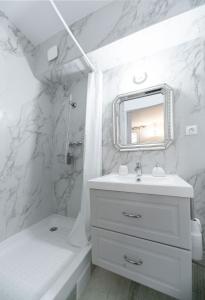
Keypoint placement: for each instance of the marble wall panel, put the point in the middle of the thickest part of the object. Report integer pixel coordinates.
(116, 20)
(25, 131)
(67, 179)
(183, 68)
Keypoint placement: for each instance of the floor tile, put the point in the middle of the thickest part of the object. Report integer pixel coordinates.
(105, 285)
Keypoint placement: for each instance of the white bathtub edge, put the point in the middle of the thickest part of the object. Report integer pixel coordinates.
(67, 281)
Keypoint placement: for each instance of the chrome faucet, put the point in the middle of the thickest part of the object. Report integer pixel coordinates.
(138, 170)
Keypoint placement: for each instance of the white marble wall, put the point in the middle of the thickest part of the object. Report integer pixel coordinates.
(67, 179)
(25, 130)
(34, 180)
(183, 68)
(123, 18)
(116, 20)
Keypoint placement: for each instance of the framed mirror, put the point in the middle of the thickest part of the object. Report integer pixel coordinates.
(143, 120)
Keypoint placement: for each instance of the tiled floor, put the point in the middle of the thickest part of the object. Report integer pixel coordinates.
(105, 285)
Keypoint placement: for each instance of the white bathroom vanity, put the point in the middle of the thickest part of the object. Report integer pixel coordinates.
(141, 230)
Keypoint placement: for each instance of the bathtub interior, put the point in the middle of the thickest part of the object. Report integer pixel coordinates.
(38, 260)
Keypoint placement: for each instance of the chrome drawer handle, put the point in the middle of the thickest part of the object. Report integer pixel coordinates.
(131, 215)
(133, 262)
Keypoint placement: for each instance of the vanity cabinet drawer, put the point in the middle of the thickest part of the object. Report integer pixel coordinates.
(164, 268)
(158, 218)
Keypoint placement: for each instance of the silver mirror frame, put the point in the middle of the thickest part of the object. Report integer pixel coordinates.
(168, 118)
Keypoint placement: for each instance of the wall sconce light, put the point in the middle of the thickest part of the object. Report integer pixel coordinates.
(140, 78)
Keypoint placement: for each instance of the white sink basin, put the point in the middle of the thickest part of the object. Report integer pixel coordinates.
(170, 185)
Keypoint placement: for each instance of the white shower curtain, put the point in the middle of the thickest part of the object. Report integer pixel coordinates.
(92, 167)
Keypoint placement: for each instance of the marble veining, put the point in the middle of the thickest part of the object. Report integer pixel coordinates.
(34, 179)
(67, 179)
(183, 68)
(25, 119)
(122, 18)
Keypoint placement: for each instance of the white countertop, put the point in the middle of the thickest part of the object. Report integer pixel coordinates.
(170, 185)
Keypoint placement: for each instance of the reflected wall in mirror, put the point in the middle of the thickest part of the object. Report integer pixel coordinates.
(143, 120)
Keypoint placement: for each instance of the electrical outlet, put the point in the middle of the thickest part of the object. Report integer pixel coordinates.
(192, 130)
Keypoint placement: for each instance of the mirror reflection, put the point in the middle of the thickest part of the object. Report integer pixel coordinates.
(143, 119)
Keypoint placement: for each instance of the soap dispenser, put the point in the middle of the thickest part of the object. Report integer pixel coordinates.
(158, 171)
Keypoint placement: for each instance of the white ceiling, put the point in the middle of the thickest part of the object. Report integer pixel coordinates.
(37, 19)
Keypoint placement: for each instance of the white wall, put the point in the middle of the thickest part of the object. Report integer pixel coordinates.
(32, 131)
(109, 24)
(67, 179)
(25, 144)
(114, 21)
(183, 68)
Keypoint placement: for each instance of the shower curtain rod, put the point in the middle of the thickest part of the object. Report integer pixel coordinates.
(87, 60)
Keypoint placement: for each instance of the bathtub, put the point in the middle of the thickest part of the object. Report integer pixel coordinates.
(38, 263)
